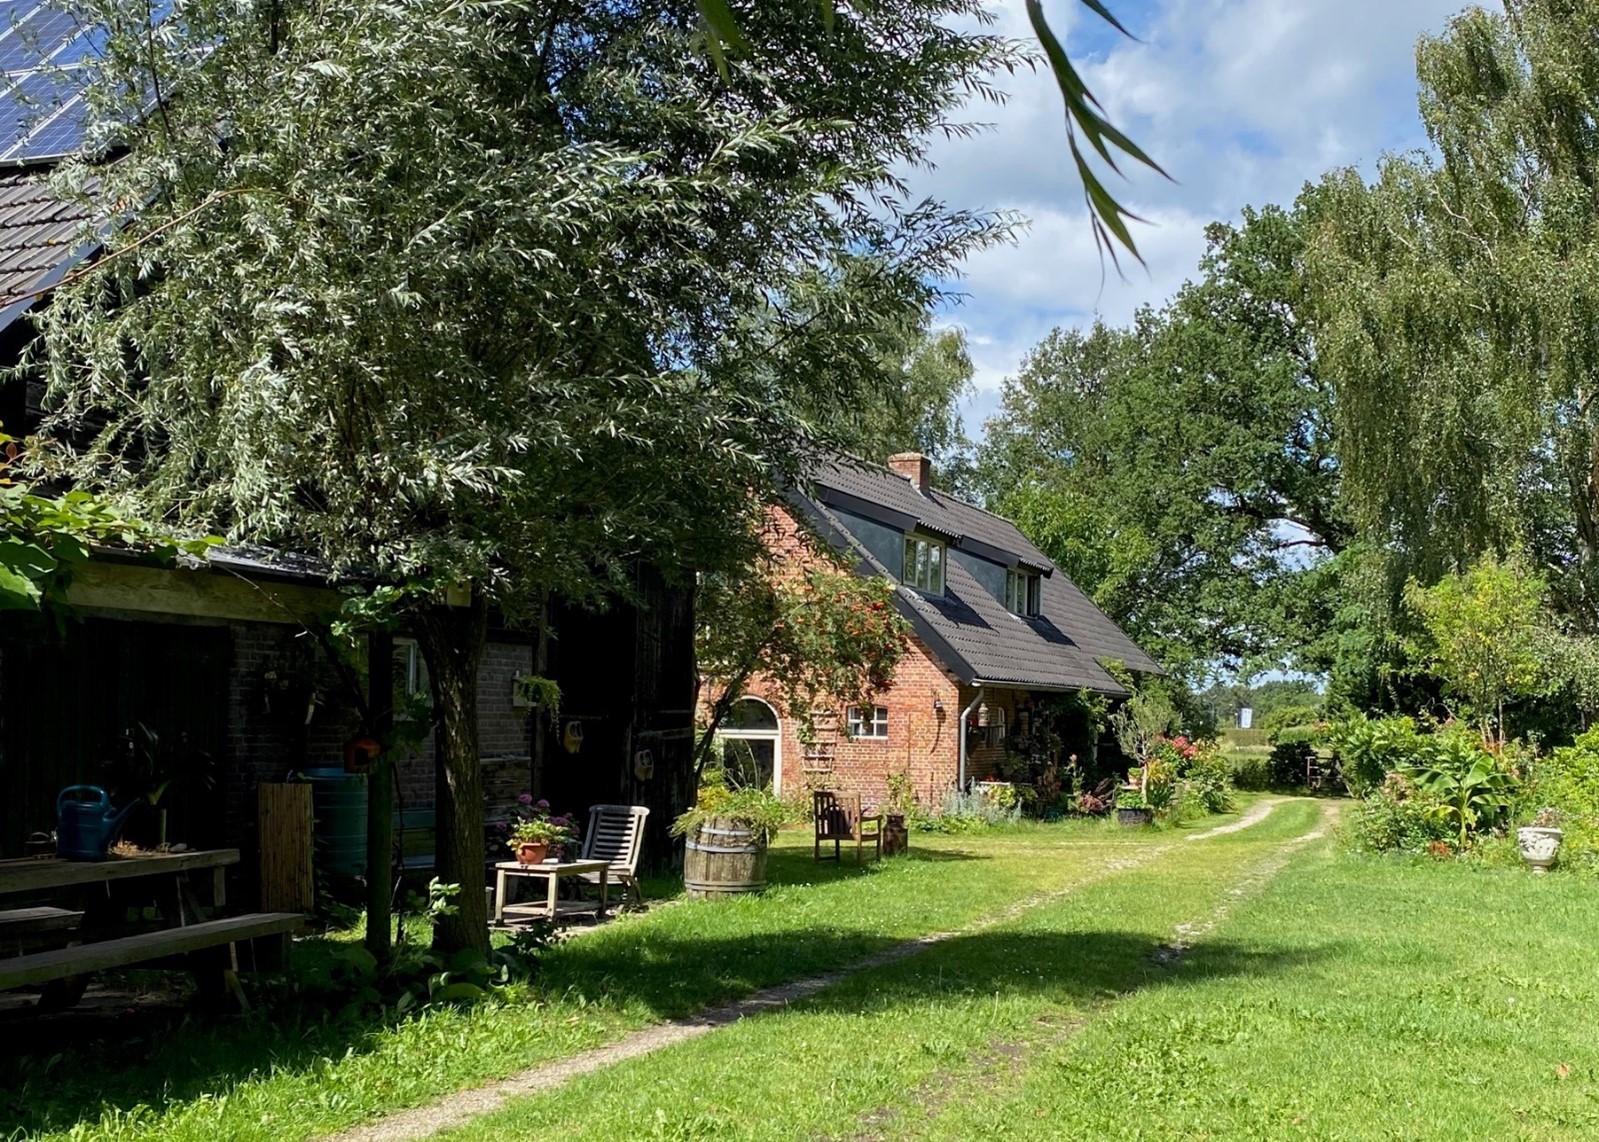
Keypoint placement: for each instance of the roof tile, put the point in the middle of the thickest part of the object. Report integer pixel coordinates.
(1062, 648)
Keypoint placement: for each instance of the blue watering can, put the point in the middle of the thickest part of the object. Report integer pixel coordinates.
(86, 825)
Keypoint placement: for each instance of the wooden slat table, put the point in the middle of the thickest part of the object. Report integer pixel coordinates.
(551, 871)
(34, 874)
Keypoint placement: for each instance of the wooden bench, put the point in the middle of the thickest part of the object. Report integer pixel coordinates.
(22, 929)
(82, 959)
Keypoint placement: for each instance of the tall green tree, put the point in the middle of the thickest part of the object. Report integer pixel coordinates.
(928, 372)
(1182, 469)
(494, 298)
(1456, 309)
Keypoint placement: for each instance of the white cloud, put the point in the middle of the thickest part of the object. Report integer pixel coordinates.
(1242, 101)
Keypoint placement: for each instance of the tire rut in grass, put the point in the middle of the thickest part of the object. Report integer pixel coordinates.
(1252, 882)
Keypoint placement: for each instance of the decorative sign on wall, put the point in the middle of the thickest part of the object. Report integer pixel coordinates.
(572, 738)
(643, 765)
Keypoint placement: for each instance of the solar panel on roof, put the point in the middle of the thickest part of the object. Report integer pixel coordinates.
(47, 57)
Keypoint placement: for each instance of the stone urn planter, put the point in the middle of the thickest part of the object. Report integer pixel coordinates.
(1540, 846)
(1134, 817)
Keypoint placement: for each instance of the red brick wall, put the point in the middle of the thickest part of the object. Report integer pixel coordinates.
(922, 741)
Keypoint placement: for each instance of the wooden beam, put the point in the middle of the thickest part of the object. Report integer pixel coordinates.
(42, 967)
(197, 593)
(32, 875)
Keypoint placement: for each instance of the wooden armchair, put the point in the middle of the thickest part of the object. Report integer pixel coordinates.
(616, 835)
(840, 818)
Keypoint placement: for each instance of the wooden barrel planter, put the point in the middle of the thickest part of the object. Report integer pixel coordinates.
(723, 858)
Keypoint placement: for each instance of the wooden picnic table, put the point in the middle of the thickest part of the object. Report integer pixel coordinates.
(98, 937)
(550, 908)
(42, 874)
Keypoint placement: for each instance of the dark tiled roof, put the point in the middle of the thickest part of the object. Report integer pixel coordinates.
(37, 247)
(978, 639)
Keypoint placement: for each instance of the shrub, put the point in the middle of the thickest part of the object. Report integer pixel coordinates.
(1398, 816)
(1567, 781)
(1289, 763)
(1207, 779)
(1369, 749)
(1250, 772)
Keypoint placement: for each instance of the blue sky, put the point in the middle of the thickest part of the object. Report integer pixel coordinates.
(1242, 101)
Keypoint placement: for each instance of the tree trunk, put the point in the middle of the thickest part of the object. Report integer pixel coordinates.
(452, 640)
(380, 795)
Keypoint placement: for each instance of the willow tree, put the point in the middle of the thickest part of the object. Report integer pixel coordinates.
(488, 299)
(1458, 313)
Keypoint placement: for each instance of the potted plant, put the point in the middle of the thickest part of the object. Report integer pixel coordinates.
(534, 832)
(1132, 809)
(725, 837)
(1540, 841)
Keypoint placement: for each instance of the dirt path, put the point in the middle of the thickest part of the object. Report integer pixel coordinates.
(1256, 813)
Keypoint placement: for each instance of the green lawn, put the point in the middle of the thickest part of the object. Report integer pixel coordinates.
(1240, 986)
(274, 1078)
(1343, 998)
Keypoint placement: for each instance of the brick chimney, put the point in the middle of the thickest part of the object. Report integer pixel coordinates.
(915, 467)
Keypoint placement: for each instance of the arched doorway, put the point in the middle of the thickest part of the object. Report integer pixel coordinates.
(752, 744)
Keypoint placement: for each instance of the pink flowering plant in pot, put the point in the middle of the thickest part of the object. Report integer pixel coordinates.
(534, 833)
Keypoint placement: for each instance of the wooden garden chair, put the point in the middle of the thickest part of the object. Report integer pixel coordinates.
(616, 834)
(839, 819)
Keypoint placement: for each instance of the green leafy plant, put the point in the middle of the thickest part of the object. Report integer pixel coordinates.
(1471, 788)
(1131, 799)
(756, 809)
(1369, 749)
(1397, 816)
(45, 539)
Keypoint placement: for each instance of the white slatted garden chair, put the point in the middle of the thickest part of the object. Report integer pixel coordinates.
(616, 834)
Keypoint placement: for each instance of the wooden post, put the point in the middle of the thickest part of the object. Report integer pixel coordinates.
(284, 816)
(380, 794)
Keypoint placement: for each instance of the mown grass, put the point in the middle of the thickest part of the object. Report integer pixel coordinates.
(882, 1048)
(292, 1074)
(1347, 997)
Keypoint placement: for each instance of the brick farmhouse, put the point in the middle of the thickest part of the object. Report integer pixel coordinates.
(998, 636)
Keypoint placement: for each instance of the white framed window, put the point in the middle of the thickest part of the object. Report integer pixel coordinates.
(924, 564)
(868, 721)
(1021, 593)
(412, 690)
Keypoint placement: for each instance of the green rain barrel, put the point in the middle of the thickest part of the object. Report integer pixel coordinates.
(338, 800)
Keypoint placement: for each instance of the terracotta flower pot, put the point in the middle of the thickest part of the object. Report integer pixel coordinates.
(532, 852)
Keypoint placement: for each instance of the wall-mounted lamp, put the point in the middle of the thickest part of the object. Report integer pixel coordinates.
(938, 705)
(982, 715)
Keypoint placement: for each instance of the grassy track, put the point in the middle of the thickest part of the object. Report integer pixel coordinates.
(885, 1047)
(272, 1078)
